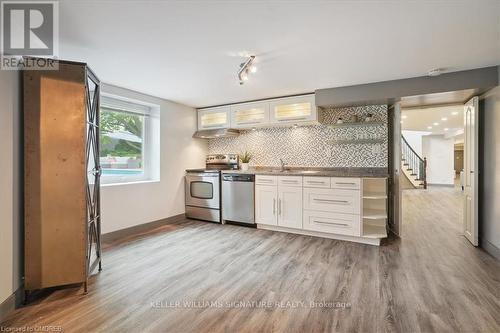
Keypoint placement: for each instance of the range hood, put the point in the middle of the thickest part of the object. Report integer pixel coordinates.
(216, 133)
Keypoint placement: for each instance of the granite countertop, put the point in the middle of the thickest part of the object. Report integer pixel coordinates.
(313, 171)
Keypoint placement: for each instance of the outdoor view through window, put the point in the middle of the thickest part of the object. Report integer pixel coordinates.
(121, 143)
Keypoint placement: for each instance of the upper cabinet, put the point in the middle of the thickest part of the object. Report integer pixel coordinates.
(293, 109)
(249, 115)
(213, 118)
(285, 111)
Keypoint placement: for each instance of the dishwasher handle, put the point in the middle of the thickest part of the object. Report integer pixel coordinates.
(238, 178)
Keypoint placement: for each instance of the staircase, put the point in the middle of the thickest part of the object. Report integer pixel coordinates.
(414, 167)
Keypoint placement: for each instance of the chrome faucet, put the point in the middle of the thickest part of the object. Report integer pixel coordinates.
(282, 165)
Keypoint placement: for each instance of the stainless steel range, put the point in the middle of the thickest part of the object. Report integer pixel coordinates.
(203, 187)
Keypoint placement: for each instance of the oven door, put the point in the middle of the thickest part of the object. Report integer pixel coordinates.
(202, 190)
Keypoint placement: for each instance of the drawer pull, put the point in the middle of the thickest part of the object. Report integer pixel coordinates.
(265, 180)
(289, 181)
(314, 182)
(331, 200)
(323, 222)
(341, 183)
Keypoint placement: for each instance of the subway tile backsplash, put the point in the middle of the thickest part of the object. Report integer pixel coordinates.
(311, 146)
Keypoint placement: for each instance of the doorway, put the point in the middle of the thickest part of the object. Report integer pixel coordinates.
(437, 160)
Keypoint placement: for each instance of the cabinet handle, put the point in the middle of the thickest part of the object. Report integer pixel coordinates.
(314, 182)
(279, 207)
(289, 181)
(341, 183)
(248, 122)
(213, 125)
(293, 118)
(331, 200)
(274, 206)
(340, 224)
(265, 180)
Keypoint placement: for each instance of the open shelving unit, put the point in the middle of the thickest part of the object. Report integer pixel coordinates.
(374, 208)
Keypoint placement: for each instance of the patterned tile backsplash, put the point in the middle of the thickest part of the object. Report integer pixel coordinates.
(313, 146)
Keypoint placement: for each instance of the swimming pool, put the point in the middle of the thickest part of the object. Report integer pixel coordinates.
(112, 172)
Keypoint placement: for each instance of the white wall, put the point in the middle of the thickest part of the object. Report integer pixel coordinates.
(10, 185)
(439, 152)
(414, 139)
(128, 205)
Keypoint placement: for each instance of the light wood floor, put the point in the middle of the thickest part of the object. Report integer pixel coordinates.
(431, 280)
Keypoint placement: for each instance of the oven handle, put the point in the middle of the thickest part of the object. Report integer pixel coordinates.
(199, 175)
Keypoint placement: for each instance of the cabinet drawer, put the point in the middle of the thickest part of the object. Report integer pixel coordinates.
(335, 223)
(266, 180)
(290, 181)
(322, 182)
(345, 182)
(332, 200)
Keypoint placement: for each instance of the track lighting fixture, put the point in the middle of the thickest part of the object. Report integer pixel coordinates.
(245, 68)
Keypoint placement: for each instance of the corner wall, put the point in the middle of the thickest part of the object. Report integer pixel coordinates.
(132, 204)
(489, 220)
(11, 216)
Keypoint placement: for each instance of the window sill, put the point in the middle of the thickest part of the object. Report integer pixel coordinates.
(134, 182)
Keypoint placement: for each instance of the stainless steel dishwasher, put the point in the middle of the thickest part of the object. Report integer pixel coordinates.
(238, 198)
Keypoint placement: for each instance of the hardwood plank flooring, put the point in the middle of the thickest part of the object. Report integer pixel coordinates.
(430, 280)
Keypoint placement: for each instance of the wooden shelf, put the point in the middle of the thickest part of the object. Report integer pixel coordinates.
(374, 231)
(374, 214)
(374, 195)
(354, 141)
(358, 124)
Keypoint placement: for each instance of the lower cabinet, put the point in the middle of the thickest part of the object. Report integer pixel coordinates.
(278, 205)
(290, 207)
(334, 223)
(266, 201)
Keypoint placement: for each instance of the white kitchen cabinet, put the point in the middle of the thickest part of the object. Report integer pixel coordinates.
(290, 206)
(249, 115)
(335, 223)
(266, 204)
(293, 110)
(332, 200)
(313, 181)
(278, 201)
(214, 118)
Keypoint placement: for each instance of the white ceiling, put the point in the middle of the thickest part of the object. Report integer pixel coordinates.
(450, 119)
(189, 51)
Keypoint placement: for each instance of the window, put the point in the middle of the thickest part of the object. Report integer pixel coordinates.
(129, 140)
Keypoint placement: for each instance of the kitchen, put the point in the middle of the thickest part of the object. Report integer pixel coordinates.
(237, 166)
(320, 172)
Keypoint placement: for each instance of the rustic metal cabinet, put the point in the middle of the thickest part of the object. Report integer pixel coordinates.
(62, 175)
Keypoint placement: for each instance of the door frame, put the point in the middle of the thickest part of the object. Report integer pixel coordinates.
(394, 162)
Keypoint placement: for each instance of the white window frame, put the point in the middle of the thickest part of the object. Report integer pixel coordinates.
(151, 113)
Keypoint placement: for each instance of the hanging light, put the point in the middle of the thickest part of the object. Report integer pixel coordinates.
(245, 68)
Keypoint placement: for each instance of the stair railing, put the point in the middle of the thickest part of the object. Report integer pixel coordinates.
(414, 163)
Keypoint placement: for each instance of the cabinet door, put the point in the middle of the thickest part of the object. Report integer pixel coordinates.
(293, 110)
(213, 118)
(266, 202)
(249, 115)
(290, 207)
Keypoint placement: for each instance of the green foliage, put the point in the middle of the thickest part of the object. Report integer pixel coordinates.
(112, 121)
(245, 157)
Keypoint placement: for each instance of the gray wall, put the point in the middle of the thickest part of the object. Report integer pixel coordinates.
(11, 265)
(490, 177)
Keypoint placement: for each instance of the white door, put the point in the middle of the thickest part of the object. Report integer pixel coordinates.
(290, 207)
(266, 204)
(471, 133)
